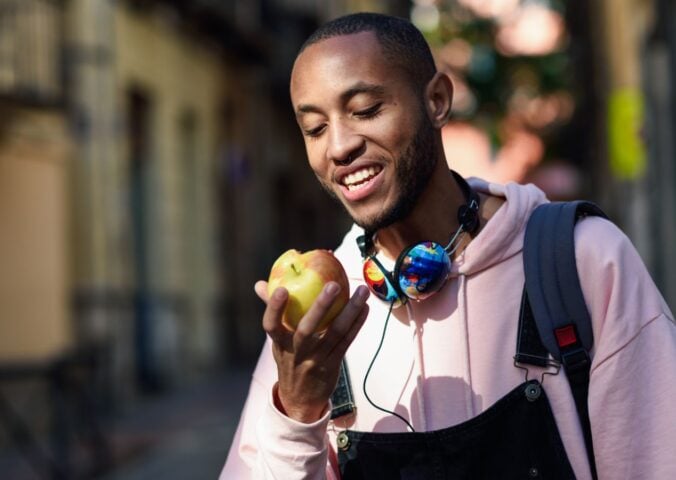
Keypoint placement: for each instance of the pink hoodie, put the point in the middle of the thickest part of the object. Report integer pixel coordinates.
(449, 358)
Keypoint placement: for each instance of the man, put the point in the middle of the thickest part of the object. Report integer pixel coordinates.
(370, 105)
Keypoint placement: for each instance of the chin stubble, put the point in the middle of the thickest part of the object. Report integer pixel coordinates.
(413, 172)
(414, 169)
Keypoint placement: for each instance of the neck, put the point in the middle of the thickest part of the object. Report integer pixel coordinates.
(435, 217)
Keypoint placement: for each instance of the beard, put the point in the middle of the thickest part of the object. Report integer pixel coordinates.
(413, 170)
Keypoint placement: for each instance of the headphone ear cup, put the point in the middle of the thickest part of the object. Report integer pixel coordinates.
(380, 282)
(422, 269)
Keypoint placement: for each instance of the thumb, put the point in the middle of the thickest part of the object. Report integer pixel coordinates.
(261, 289)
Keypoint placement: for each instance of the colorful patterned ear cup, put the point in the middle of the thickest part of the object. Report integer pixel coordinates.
(378, 281)
(422, 270)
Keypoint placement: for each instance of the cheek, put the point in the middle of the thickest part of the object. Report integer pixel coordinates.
(396, 132)
(399, 140)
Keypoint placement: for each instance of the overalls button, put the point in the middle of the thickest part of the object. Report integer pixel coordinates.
(533, 392)
(343, 441)
(533, 472)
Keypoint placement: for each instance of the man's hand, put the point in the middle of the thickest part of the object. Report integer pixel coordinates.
(308, 363)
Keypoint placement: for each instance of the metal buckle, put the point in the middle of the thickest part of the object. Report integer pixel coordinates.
(548, 362)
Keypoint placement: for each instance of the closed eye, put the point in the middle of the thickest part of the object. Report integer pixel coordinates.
(370, 112)
(313, 132)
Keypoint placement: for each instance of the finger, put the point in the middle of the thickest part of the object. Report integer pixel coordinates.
(339, 349)
(308, 324)
(272, 317)
(261, 289)
(344, 322)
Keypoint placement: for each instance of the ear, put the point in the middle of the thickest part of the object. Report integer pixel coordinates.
(438, 99)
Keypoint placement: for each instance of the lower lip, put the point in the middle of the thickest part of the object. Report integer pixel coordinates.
(363, 191)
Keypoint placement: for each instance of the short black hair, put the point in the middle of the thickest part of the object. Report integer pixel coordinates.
(401, 41)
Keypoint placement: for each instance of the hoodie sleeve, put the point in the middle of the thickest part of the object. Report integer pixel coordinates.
(633, 375)
(268, 444)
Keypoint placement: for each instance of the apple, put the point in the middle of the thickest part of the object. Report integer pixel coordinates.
(304, 276)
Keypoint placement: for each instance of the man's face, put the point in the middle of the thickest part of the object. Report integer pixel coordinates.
(367, 137)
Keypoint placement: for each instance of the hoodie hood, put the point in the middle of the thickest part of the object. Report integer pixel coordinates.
(501, 237)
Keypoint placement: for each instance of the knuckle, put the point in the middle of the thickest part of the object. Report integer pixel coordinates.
(304, 331)
(342, 330)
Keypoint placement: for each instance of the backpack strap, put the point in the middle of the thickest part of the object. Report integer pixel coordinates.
(554, 297)
(552, 281)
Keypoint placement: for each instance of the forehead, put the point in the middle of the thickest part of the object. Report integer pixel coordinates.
(336, 63)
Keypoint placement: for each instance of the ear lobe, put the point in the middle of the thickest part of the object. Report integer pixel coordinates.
(439, 99)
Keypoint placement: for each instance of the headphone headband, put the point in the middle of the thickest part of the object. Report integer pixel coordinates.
(468, 214)
(365, 244)
(422, 268)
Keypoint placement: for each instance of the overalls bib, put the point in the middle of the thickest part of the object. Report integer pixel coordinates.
(516, 438)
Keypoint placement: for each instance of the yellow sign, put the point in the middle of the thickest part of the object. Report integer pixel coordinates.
(625, 121)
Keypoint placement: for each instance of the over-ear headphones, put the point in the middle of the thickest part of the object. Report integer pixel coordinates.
(422, 268)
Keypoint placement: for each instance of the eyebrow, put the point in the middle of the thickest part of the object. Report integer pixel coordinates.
(356, 89)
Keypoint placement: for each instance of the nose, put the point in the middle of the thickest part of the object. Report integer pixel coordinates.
(344, 143)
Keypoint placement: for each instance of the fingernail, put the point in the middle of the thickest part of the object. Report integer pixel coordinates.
(362, 293)
(279, 294)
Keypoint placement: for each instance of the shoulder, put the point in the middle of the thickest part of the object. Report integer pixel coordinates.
(606, 254)
(598, 236)
(619, 291)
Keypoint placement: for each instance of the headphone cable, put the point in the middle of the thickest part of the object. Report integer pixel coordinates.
(382, 339)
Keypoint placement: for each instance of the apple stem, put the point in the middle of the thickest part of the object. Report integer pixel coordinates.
(295, 269)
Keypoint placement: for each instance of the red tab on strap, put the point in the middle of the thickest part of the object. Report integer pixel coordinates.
(565, 336)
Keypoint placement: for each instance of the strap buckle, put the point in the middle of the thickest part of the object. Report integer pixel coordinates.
(575, 360)
(573, 355)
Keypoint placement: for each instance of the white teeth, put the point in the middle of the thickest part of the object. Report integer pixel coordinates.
(352, 180)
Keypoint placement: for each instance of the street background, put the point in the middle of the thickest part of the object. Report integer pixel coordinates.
(151, 171)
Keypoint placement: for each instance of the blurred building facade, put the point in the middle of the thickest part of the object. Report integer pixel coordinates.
(34, 154)
(150, 171)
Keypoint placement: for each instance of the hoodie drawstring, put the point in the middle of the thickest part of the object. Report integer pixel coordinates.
(462, 306)
(420, 378)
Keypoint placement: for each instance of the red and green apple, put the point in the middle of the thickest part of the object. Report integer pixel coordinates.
(304, 276)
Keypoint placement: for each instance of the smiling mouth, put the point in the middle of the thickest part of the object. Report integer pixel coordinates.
(361, 177)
